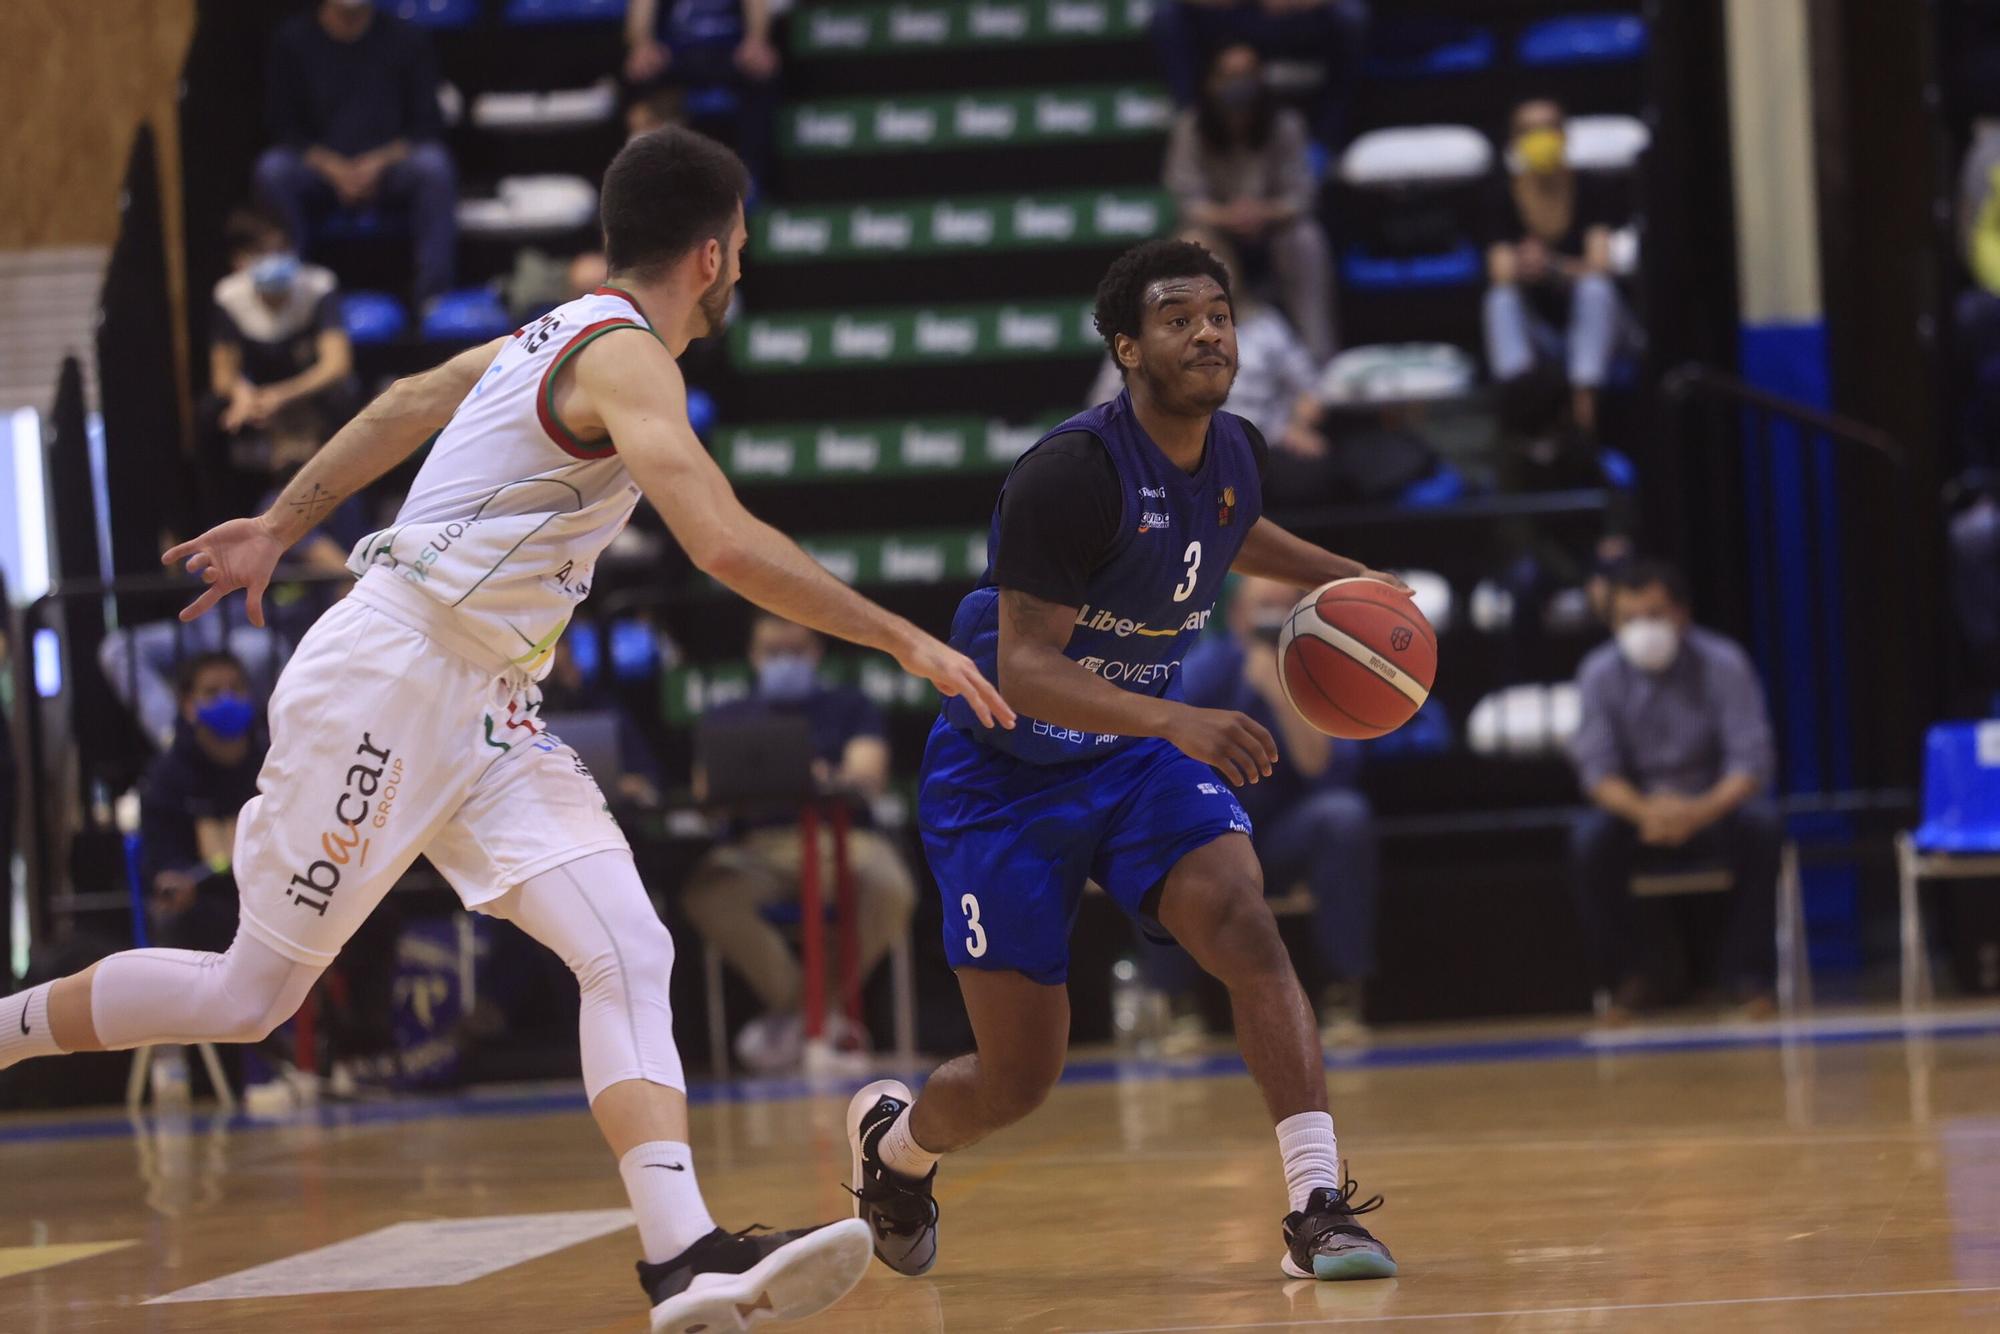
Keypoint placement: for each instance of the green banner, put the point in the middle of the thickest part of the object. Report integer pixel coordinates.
(914, 335)
(831, 31)
(932, 557)
(975, 120)
(974, 223)
(752, 455)
(688, 692)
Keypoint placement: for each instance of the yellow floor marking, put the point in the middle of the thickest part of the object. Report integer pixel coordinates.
(27, 1259)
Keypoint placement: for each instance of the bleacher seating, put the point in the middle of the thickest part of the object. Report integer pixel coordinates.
(1582, 39)
(372, 317)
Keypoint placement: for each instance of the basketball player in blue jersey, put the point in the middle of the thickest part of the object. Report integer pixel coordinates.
(1111, 539)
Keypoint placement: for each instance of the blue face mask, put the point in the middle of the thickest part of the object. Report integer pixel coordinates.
(787, 676)
(273, 275)
(227, 716)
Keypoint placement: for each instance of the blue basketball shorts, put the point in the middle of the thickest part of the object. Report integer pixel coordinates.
(1011, 843)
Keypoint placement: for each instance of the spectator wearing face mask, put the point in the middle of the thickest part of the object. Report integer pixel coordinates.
(1239, 165)
(1674, 753)
(760, 866)
(1551, 301)
(188, 802)
(280, 368)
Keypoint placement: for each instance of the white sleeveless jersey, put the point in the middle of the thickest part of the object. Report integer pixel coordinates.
(509, 514)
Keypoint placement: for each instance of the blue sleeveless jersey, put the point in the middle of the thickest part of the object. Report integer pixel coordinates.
(1178, 534)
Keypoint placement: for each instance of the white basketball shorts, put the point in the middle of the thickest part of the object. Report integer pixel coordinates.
(390, 737)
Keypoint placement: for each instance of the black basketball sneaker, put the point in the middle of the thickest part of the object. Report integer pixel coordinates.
(900, 1211)
(1323, 1240)
(733, 1280)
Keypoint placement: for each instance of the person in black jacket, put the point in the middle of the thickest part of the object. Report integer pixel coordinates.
(351, 96)
(188, 803)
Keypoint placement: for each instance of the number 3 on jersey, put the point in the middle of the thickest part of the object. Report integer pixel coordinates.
(975, 944)
(1184, 591)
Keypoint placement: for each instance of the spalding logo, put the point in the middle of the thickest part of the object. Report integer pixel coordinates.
(1399, 638)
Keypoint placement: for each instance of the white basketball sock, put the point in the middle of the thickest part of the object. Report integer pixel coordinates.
(1312, 1158)
(24, 1026)
(899, 1150)
(659, 1178)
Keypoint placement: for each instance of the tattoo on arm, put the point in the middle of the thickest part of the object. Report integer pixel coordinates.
(314, 505)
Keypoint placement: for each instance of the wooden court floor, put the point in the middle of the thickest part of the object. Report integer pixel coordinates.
(1686, 1182)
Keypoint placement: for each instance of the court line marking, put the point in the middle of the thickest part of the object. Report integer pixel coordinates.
(1560, 1310)
(418, 1253)
(1831, 1031)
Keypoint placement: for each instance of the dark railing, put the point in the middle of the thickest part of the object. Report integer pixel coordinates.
(1798, 525)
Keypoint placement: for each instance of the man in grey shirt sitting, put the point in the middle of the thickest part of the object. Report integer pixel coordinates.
(1674, 752)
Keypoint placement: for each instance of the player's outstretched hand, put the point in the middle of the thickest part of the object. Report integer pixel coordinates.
(238, 554)
(1234, 743)
(955, 675)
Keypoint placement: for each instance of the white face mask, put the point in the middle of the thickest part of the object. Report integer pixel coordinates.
(1649, 643)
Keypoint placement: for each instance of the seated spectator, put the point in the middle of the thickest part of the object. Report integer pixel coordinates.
(1238, 164)
(144, 664)
(1331, 32)
(352, 102)
(188, 803)
(1311, 822)
(281, 371)
(756, 867)
(698, 44)
(1674, 751)
(1552, 300)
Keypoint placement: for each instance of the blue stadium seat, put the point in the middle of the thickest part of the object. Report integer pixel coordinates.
(1961, 789)
(701, 411)
(1618, 468)
(714, 101)
(1444, 486)
(359, 224)
(1582, 39)
(1426, 49)
(434, 13)
(1457, 267)
(1429, 733)
(372, 317)
(472, 313)
(564, 11)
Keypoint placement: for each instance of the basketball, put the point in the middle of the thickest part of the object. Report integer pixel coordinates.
(1357, 658)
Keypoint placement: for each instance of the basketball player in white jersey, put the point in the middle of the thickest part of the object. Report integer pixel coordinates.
(406, 723)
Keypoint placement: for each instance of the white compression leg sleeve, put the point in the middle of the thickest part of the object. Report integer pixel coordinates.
(595, 914)
(147, 996)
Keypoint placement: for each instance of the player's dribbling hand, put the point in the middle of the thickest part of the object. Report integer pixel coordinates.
(955, 676)
(1384, 577)
(1233, 743)
(238, 554)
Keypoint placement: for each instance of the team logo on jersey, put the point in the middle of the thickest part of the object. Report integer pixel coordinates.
(1111, 622)
(345, 844)
(1153, 519)
(1225, 513)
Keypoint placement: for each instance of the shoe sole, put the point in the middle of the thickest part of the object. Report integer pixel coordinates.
(857, 1107)
(1339, 1268)
(794, 1281)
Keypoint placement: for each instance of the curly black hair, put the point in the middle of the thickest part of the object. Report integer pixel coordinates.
(1122, 294)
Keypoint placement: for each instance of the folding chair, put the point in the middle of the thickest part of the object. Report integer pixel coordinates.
(1959, 838)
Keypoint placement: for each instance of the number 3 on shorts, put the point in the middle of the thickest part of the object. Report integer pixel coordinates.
(975, 944)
